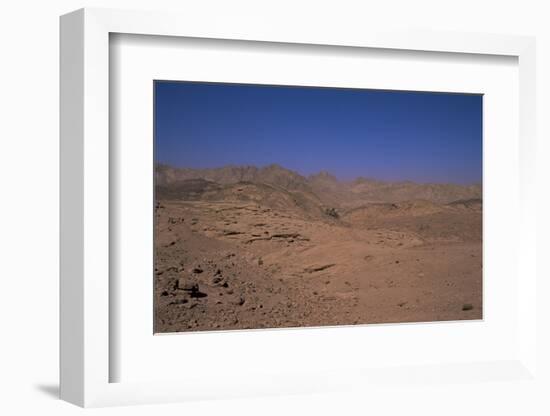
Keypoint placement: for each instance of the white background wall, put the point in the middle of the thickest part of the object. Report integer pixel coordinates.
(29, 205)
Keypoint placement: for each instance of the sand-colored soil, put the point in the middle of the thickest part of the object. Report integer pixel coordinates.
(236, 263)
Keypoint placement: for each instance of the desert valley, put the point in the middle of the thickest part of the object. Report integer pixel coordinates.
(242, 247)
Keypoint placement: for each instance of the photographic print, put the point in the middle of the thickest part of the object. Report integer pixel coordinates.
(292, 206)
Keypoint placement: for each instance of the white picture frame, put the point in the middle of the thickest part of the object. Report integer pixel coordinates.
(85, 211)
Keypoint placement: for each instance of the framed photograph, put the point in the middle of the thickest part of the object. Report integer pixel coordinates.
(270, 211)
(288, 206)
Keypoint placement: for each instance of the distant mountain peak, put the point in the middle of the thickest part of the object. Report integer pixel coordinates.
(274, 166)
(324, 175)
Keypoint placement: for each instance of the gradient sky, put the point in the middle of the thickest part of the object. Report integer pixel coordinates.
(388, 135)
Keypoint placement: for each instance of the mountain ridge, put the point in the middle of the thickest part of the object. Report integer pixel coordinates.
(330, 190)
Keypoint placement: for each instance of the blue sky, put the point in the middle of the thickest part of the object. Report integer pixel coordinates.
(387, 135)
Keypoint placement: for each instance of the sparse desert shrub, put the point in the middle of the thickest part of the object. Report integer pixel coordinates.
(331, 212)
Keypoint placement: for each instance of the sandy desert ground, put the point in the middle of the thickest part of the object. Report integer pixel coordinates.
(240, 248)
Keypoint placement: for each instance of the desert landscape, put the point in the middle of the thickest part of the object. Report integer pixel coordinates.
(247, 247)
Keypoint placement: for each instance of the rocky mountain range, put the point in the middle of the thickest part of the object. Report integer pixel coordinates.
(323, 186)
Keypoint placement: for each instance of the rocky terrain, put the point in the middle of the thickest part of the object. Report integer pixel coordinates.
(247, 247)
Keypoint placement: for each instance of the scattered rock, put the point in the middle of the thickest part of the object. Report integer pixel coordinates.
(179, 302)
(331, 212)
(188, 285)
(198, 294)
(232, 232)
(312, 269)
(286, 235)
